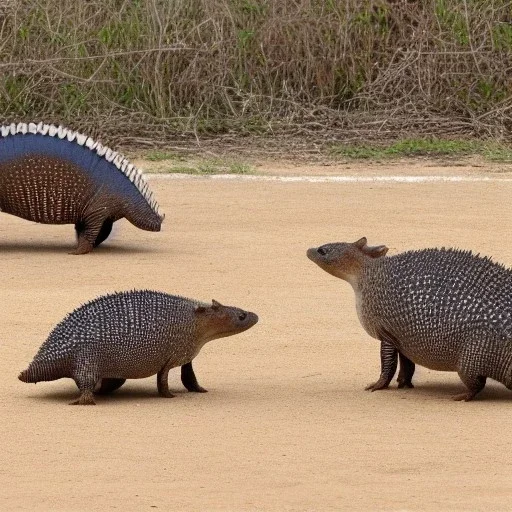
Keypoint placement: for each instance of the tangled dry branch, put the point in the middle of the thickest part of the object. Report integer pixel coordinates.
(157, 70)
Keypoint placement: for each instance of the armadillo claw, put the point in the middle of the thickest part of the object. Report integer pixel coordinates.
(466, 397)
(81, 250)
(376, 386)
(166, 394)
(85, 398)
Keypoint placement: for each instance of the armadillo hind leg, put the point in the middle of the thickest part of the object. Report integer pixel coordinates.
(475, 384)
(88, 231)
(162, 382)
(472, 369)
(83, 247)
(104, 233)
(85, 380)
(388, 362)
(189, 380)
(86, 398)
(406, 372)
(107, 386)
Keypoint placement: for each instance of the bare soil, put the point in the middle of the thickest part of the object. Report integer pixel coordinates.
(286, 425)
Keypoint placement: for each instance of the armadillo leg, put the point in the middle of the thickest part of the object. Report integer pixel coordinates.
(471, 372)
(388, 364)
(188, 378)
(162, 382)
(83, 244)
(86, 395)
(475, 384)
(85, 381)
(86, 398)
(83, 247)
(109, 385)
(104, 233)
(406, 372)
(88, 230)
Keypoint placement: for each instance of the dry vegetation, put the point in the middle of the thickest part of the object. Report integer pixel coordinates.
(136, 71)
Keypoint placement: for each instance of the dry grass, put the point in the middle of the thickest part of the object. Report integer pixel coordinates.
(141, 72)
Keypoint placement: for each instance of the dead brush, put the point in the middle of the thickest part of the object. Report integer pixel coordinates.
(351, 69)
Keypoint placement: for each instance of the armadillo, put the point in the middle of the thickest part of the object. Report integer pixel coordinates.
(133, 335)
(445, 309)
(53, 175)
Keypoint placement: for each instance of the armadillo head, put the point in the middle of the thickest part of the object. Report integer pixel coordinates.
(345, 260)
(218, 321)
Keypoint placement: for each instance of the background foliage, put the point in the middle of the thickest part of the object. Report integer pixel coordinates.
(138, 70)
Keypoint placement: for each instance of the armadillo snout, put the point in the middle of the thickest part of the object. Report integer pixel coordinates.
(251, 319)
(317, 254)
(311, 253)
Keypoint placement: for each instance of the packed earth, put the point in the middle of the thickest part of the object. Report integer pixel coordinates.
(286, 424)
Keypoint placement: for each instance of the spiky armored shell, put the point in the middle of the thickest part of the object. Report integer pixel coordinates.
(437, 301)
(53, 175)
(126, 334)
(445, 309)
(131, 335)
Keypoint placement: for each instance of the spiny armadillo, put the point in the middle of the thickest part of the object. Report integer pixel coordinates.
(53, 175)
(132, 335)
(445, 309)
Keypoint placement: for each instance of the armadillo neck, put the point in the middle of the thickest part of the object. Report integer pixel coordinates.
(360, 271)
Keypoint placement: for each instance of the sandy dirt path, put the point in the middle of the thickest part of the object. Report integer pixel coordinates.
(286, 424)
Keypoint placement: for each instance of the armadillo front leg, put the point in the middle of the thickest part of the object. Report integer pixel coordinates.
(163, 382)
(188, 378)
(388, 364)
(406, 372)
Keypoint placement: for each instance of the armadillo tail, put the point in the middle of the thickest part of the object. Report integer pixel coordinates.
(42, 370)
(27, 376)
(142, 217)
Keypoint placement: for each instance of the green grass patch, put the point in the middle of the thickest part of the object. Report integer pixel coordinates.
(497, 153)
(436, 148)
(209, 167)
(240, 168)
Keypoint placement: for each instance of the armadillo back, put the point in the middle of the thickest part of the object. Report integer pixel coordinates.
(47, 173)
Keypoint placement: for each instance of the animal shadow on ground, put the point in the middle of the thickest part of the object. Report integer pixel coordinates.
(130, 394)
(134, 392)
(57, 247)
(493, 391)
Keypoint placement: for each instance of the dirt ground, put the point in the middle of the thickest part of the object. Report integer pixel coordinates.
(286, 425)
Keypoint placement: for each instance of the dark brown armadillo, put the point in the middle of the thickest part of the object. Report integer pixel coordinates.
(132, 335)
(53, 175)
(445, 309)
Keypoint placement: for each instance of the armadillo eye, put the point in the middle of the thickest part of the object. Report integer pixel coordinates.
(322, 251)
(242, 316)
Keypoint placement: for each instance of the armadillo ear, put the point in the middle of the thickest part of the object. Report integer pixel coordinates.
(375, 252)
(215, 304)
(361, 242)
